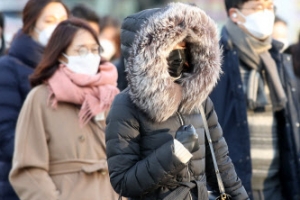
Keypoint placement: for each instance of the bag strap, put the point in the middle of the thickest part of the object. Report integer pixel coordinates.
(207, 133)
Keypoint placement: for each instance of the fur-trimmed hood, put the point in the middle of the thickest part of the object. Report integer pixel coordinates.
(147, 39)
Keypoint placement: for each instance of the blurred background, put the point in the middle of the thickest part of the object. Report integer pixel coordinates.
(287, 10)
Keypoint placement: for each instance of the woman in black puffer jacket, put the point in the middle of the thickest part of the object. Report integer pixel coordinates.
(173, 60)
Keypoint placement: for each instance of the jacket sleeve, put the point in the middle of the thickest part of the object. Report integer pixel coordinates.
(131, 173)
(232, 183)
(29, 174)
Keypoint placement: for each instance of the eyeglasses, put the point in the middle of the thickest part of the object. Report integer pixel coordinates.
(83, 51)
(261, 7)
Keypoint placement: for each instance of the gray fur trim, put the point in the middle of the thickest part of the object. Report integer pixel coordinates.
(150, 85)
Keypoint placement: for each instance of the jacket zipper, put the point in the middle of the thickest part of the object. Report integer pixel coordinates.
(180, 118)
(187, 167)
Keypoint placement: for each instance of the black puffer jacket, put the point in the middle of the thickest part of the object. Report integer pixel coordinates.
(143, 119)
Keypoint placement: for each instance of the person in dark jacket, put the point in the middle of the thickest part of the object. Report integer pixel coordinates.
(156, 143)
(23, 56)
(256, 103)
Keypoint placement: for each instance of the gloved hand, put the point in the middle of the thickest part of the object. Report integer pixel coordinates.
(188, 136)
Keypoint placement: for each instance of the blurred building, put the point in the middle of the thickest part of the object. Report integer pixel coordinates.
(12, 13)
(288, 10)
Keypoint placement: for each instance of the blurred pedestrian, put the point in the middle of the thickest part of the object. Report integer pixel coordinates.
(2, 40)
(280, 32)
(110, 40)
(110, 37)
(156, 144)
(84, 12)
(65, 113)
(39, 20)
(256, 104)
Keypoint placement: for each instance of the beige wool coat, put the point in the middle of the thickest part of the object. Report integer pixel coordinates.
(56, 159)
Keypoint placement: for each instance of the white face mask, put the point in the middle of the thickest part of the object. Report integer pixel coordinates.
(259, 24)
(87, 65)
(44, 35)
(109, 49)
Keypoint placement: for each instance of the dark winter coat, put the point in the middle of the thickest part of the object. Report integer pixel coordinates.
(143, 119)
(231, 107)
(15, 67)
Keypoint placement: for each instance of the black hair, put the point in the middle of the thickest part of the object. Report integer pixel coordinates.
(84, 12)
(234, 4)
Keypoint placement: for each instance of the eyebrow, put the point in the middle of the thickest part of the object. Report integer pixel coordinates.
(50, 16)
(55, 16)
(83, 45)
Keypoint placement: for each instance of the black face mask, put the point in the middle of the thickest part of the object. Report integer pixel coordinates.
(176, 61)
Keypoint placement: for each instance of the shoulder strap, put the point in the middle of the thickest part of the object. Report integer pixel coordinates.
(219, 179)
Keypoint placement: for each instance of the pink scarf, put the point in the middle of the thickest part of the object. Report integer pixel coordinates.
(94, 93)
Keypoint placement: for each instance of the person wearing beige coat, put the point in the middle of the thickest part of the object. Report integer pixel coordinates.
(60, 153)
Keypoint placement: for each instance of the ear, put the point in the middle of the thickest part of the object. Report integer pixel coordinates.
(233, 15)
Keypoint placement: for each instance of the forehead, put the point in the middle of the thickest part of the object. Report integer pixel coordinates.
(83, 37)
(54, 9)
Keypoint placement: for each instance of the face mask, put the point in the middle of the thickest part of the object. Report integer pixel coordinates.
(259, 24)
(87, 65)
(45, 34)
(176, 61)
(109, 49)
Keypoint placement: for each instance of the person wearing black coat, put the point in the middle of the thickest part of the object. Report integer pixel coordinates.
(155, 139)
(16, 66)
(256, 103)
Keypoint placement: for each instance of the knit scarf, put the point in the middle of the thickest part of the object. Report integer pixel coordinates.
(255, 55)
(94, 93)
